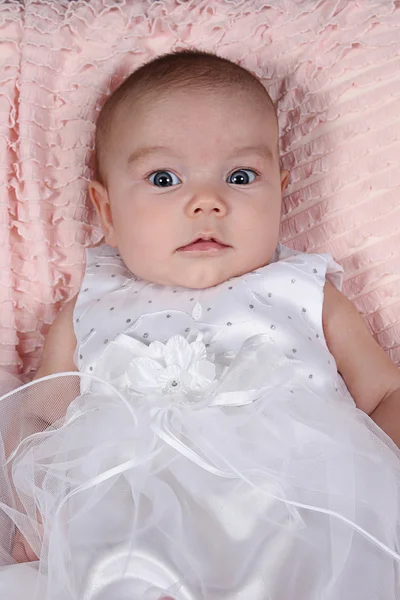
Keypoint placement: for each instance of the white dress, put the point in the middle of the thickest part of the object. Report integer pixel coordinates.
(212, 451)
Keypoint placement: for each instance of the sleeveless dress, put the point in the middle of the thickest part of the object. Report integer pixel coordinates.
(211, 451)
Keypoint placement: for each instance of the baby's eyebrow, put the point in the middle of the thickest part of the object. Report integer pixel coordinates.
(263, 151)
(146, 151)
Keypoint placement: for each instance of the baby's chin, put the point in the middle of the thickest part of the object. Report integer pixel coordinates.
(200, 277)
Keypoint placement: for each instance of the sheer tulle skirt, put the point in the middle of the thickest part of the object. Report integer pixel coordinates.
(290, 496)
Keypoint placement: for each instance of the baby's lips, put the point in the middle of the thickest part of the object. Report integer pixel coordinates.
(203, 243)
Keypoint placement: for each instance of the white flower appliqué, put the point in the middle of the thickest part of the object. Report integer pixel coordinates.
(182, 371)
(178, 367)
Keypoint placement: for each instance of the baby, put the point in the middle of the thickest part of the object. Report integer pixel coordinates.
(224, 455)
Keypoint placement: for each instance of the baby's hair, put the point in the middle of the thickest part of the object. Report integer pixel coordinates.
(183, 69)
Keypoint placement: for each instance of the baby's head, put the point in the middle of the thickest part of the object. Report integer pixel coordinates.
(188, 185)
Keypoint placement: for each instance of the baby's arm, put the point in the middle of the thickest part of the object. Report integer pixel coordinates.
(371, 377)
(45, 405)
(58, 357)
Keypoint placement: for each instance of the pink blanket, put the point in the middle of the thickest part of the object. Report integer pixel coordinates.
(333, 68)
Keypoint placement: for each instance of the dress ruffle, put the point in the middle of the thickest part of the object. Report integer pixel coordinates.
(257, 487)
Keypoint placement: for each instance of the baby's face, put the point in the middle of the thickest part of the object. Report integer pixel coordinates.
(194, 188)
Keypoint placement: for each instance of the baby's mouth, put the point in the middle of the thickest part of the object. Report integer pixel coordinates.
(203, 244)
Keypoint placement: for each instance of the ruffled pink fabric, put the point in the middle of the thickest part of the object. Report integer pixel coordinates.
(331, 65)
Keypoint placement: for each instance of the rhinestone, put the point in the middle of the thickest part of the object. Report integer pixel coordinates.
(150, 301)
(97, 265)
(329, 362)
(187, 329)
(90, 368)
(208, 309)
(168, 316)
(77, 320)
(304, 309)
(128, 320)
(294, 350)
(315, 271)
(86, 290)
(113, 275)
(112, 308)
(145, 335)
(290, 318)
(310, 376)
(317, 336)
(336, 389)
(273, 327)
(229, 323)
(106, 341)
(269, 295)
(118, 255)
(207, 345)
(80, 356)
(174, 383)
(251, 306)
(91, 331)
(191, 299)
(293, 281)
(230, 287)
(310, 339)
(98, 299)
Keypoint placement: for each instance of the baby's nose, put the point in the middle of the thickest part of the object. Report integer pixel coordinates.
(207, 204)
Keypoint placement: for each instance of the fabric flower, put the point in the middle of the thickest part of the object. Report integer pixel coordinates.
(174, 368)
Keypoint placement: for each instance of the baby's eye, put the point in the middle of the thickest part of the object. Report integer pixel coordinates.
(242, 177)
(163, 178)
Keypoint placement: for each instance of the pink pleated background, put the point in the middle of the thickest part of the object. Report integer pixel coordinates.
(332, 66)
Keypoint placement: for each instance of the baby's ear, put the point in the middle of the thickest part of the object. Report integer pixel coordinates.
(285, 176)
(99, 196)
